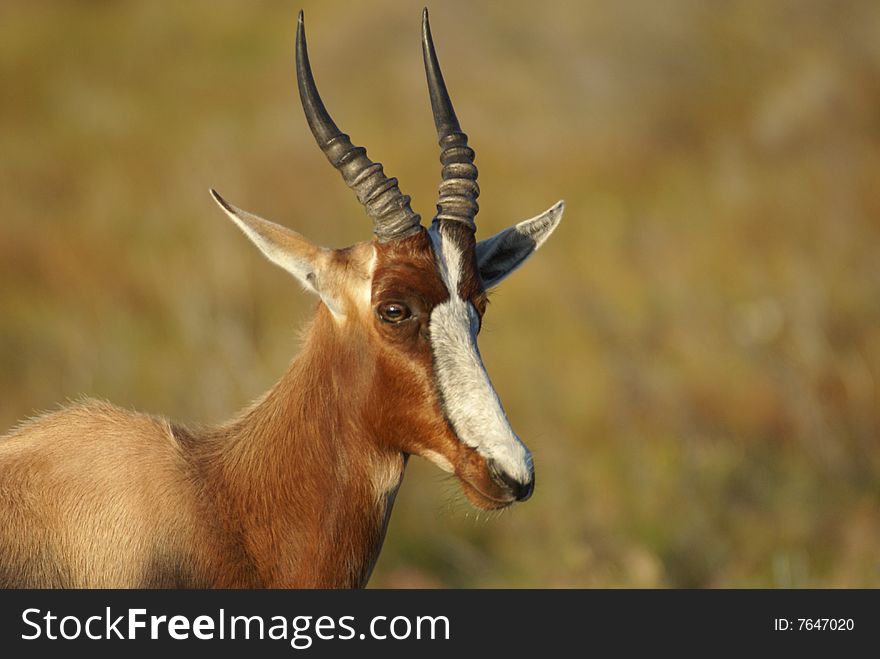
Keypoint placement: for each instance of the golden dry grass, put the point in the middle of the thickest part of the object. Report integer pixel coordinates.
(693, 358)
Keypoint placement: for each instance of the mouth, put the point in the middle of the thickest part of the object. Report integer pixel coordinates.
(485, 485)
(481, 499)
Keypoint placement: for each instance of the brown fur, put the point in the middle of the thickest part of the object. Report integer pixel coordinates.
(294, 492)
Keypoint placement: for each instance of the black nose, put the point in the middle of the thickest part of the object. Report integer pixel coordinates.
(521, 491)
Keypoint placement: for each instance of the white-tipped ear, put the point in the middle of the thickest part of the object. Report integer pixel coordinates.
(504, 252)
(287, 248)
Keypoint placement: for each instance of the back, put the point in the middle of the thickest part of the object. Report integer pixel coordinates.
(94, 496)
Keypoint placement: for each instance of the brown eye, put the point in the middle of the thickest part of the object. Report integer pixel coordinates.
(394, 312)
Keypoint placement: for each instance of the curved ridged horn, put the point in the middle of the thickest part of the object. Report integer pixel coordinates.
(385, 204)
(457, 200)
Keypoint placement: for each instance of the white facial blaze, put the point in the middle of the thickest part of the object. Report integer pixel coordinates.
(469, 399)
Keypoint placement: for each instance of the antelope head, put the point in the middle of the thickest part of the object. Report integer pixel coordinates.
(413, 298)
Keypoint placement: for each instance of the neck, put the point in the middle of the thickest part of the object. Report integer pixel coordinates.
(306, 473)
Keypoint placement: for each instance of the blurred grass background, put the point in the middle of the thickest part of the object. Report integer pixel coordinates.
(693, 358)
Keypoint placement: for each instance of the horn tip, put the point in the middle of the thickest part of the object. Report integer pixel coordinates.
(299, 17)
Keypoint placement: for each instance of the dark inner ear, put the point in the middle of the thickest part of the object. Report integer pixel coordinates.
(497, 256)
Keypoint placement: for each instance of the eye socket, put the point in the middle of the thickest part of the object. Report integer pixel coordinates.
(394, 312)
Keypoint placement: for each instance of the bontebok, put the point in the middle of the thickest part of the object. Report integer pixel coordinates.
(297, 489)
